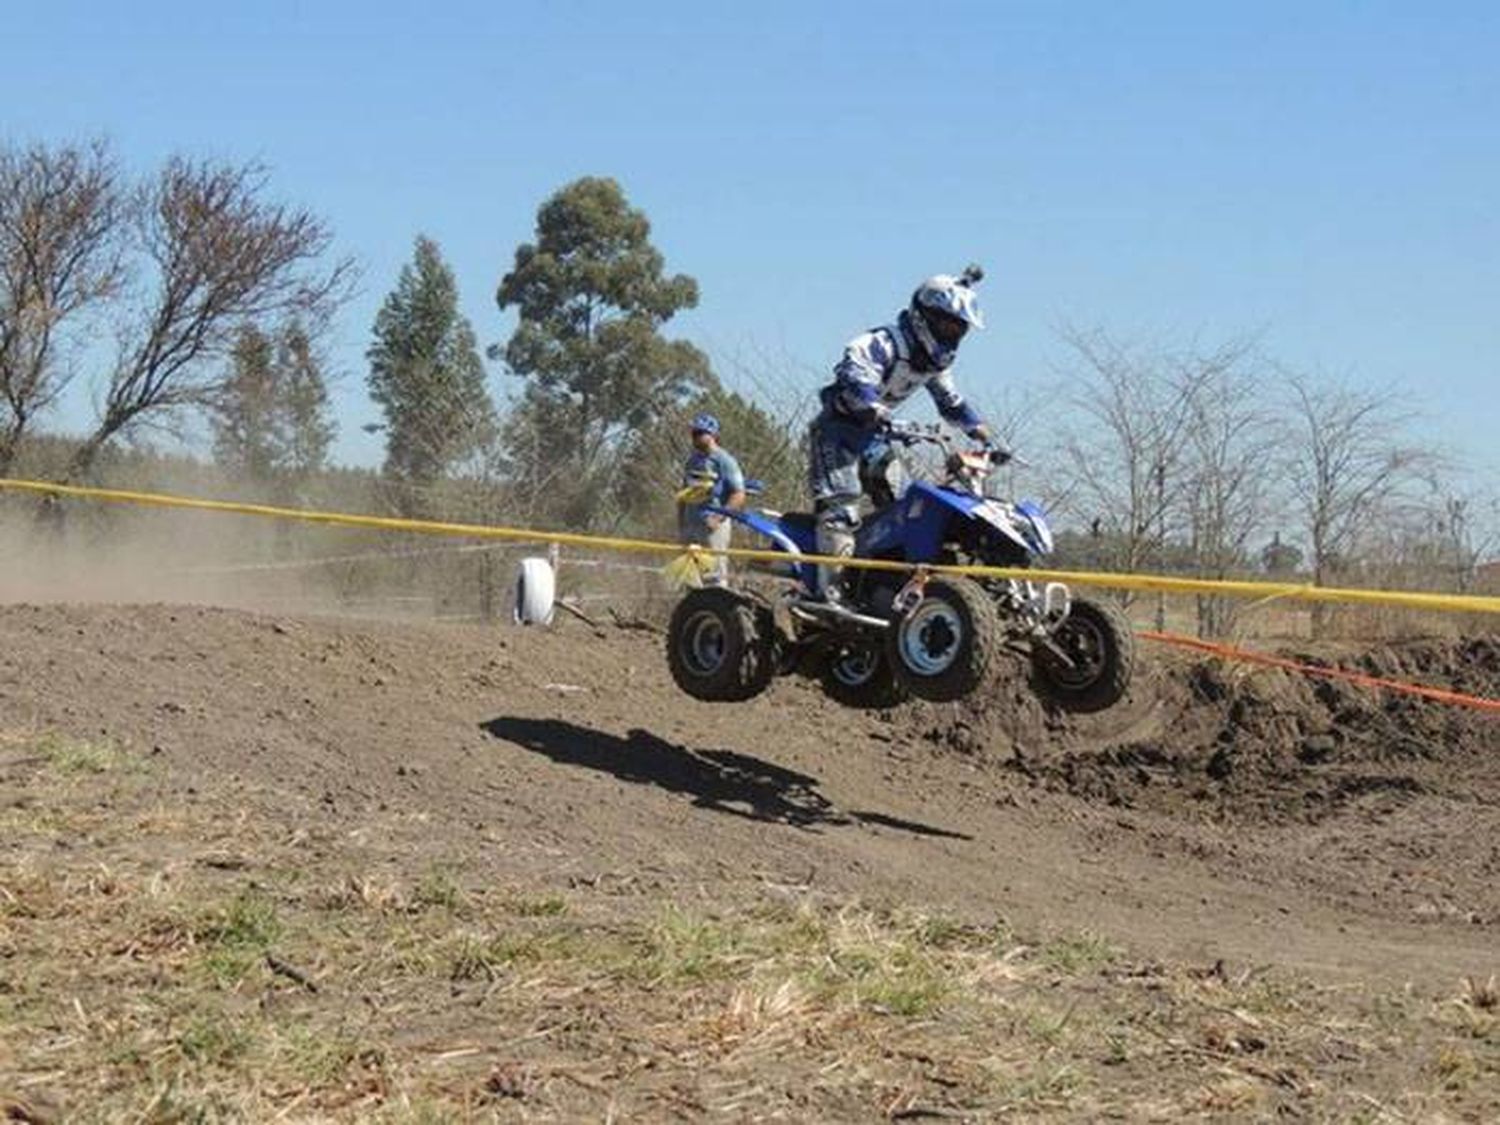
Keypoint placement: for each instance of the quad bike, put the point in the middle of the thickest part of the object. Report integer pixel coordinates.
(900, 632)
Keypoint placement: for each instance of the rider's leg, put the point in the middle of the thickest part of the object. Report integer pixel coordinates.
(833, 478)
(836, 525)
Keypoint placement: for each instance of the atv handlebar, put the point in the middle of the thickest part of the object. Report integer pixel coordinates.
(914, 432)
(917, 433)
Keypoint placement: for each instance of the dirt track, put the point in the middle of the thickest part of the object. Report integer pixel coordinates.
(1216, 814)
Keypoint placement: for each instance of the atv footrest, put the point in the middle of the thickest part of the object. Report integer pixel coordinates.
(832, 611)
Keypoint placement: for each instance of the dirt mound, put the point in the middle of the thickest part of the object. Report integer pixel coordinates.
(1246, 744)
(1216, 812)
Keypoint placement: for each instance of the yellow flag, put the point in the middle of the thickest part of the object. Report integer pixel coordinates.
(697, 493)
(687, 570)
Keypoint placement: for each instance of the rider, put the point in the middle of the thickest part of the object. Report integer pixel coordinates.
(880, 370)
(713, 476)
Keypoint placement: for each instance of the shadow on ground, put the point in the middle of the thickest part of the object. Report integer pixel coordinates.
(721, 780)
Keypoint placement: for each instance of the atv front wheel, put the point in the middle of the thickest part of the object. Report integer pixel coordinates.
(941, 650)
(1099, 645)
(860, 675)
(720, 645)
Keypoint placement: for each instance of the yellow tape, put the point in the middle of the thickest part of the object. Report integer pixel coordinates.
(1408, 599)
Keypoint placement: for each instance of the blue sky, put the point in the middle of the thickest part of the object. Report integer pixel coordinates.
(1325, 174)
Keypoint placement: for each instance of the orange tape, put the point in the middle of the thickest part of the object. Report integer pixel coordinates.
(1226, 652)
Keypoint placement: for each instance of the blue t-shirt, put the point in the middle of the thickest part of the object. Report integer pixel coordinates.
(718, 469)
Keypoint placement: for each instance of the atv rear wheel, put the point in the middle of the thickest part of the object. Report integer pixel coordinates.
(720, 645)
(1100, 648)
(941, 650)
(860, 675)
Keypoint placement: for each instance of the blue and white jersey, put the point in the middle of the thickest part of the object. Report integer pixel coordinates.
(876, 375)
(718, 470)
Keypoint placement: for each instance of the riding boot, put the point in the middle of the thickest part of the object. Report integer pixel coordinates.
(837, 540)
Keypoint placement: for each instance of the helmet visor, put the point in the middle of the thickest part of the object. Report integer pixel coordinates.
(947, 329)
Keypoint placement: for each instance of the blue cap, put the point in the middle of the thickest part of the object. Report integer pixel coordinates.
(706, 424)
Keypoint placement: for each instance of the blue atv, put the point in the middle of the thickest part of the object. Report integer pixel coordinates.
(893, 635)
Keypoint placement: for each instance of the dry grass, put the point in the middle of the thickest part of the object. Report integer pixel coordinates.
(176, 963)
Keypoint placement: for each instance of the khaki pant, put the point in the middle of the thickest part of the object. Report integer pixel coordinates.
(693, 528)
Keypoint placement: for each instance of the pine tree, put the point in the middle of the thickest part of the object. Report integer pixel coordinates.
(309, 430)
(426, 374)
(271, 416)
(246, 440)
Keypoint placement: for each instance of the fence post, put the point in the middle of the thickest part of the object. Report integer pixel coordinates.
(487, 586)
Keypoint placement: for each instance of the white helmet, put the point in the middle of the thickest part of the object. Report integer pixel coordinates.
(943, 308)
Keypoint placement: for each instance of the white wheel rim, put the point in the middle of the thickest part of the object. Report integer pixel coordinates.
(930, 638)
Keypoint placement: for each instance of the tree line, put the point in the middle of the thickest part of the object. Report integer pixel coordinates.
(1218, 462)
(192, 295)
(203, 299)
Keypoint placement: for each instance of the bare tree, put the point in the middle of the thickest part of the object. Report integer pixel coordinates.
(1347, 462)
(217, 255)
(1231, 442)
(60, 212)
(1123, 471)
(1462, 527)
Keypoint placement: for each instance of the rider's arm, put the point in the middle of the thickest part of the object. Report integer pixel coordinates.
(954, 408)
(733, 480)
(859, 375)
